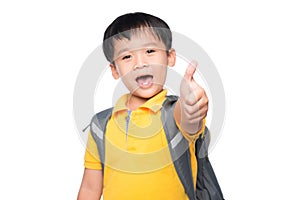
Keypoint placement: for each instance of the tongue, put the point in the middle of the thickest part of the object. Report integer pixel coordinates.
(145, 81)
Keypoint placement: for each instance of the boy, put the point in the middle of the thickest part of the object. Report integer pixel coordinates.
(138, 164)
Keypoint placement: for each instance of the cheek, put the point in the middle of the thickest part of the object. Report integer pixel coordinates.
(127, 77)
(124, 70)
(161, 74)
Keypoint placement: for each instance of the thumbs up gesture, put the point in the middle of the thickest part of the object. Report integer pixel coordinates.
(192, 106)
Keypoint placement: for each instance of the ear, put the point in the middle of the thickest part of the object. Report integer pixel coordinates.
(114, 71)
(171, 57)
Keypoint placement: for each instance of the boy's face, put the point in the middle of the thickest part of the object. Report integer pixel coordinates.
(142, 63)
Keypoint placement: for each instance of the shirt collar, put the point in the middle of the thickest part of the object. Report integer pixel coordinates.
(154, 103)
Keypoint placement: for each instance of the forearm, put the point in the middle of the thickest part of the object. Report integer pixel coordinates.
(91, 186)
(88, 194)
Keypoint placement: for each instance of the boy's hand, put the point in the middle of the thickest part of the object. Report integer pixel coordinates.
(193, 102)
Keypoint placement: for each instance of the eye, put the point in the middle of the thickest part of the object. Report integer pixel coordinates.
(126, 57)
(150, 51)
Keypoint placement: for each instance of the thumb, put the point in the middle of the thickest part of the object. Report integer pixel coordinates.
(190, 70)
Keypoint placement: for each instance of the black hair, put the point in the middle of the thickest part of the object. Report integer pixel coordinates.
(125, 25)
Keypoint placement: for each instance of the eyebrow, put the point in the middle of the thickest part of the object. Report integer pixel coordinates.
(144, 45)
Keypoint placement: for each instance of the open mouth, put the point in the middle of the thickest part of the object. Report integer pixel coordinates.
(145, 81)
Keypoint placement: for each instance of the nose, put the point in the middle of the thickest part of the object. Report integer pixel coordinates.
(140, 66)
(140, 61)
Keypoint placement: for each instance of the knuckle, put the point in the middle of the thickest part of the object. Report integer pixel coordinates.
(188, 109)
(206, 101)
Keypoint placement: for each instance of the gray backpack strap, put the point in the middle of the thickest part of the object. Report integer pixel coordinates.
(207, 187)
(98, 127)
(179, 147)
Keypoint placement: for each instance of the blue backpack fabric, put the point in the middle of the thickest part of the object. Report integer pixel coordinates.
(207, 186)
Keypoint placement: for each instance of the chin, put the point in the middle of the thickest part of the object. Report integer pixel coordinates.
(147, 94)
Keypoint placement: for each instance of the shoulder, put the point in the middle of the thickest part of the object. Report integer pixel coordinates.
(99, 121)
(170, 100)
(103, 114)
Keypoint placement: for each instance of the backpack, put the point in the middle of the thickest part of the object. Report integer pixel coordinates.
(207, 186)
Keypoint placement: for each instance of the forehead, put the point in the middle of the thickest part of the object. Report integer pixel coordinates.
(138, 40)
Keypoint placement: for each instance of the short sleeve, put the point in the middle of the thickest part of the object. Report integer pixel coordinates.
(91, 157)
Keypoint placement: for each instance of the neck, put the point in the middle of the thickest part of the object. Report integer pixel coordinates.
(133, 102)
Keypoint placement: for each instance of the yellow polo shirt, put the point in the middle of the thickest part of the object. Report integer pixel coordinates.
(138, 164)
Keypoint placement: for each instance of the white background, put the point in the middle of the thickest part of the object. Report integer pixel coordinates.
(254, 44)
